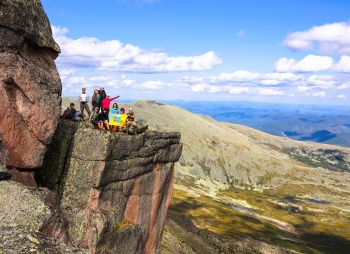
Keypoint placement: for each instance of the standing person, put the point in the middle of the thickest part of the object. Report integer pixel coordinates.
(84, 99)
(107, 101)
(103, 120)
(103, 96)
(114, 111)
(95, 99)
(131, 121)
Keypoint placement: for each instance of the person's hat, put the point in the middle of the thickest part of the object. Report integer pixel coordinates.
(97, 108)
(122, 109)
(101, 87)
(107, 94)
(130, 108)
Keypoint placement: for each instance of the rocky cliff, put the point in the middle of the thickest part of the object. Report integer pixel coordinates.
(30, 86)
(99, 192)
(107, 192)
(114, 189)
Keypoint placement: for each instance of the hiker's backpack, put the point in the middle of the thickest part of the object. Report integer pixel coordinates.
(67, 114)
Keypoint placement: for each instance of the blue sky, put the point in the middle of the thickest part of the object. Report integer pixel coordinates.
(271, 51)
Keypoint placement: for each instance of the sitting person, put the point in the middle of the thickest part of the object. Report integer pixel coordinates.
(72, 114)
(131, 121)
(122, 111)
(94, 117)
(103, 120)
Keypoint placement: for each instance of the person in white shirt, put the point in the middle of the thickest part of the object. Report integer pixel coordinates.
(84, 99)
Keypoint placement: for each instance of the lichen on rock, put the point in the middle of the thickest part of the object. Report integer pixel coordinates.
(108, 178)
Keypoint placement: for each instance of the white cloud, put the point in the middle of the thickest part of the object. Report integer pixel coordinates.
(310, 63)
(343, 65)
(341, 96)
(153, 85)
(344, 85)
(325, 81)
(329, 38)
(321, 94)
(246, 78)
(303, 89)
(270, 91)
(114, 56)
(238, 90)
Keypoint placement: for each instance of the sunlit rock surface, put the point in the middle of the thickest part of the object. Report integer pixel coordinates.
(30, 86)
(114, 188)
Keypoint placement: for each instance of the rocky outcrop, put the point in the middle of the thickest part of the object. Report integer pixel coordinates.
(113, 188)
(30, 86)
(22, 240)
(22, 206)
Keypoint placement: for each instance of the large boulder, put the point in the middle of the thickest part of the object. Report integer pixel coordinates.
(30, 85)
(35, 209)
(22, 240)
(106, 179)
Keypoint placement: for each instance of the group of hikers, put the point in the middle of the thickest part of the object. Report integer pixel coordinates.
(101, 115)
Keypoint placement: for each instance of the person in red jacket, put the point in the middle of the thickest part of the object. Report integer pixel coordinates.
(106, 102)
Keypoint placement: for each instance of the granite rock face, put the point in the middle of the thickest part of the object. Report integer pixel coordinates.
(107, 179)
(30, 86)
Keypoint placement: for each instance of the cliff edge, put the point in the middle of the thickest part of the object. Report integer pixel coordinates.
(100, 192)
(105, 192)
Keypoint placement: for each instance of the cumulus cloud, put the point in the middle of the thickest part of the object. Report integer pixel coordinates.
(343, 65)
(153, 85)
(270, 91)
(114, 56)
(321, 94)
(236, 83)
(237, 90)
(325, 81)
(310, 63)
(341, 96)
(329, 38)
(247, 78)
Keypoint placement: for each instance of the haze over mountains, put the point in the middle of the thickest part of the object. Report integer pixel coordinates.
(328, 124)
(242, 183)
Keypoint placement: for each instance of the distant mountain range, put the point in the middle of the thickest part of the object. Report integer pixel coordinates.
(316, 123)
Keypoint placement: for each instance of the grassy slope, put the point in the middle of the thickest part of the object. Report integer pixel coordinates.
(225, 166)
